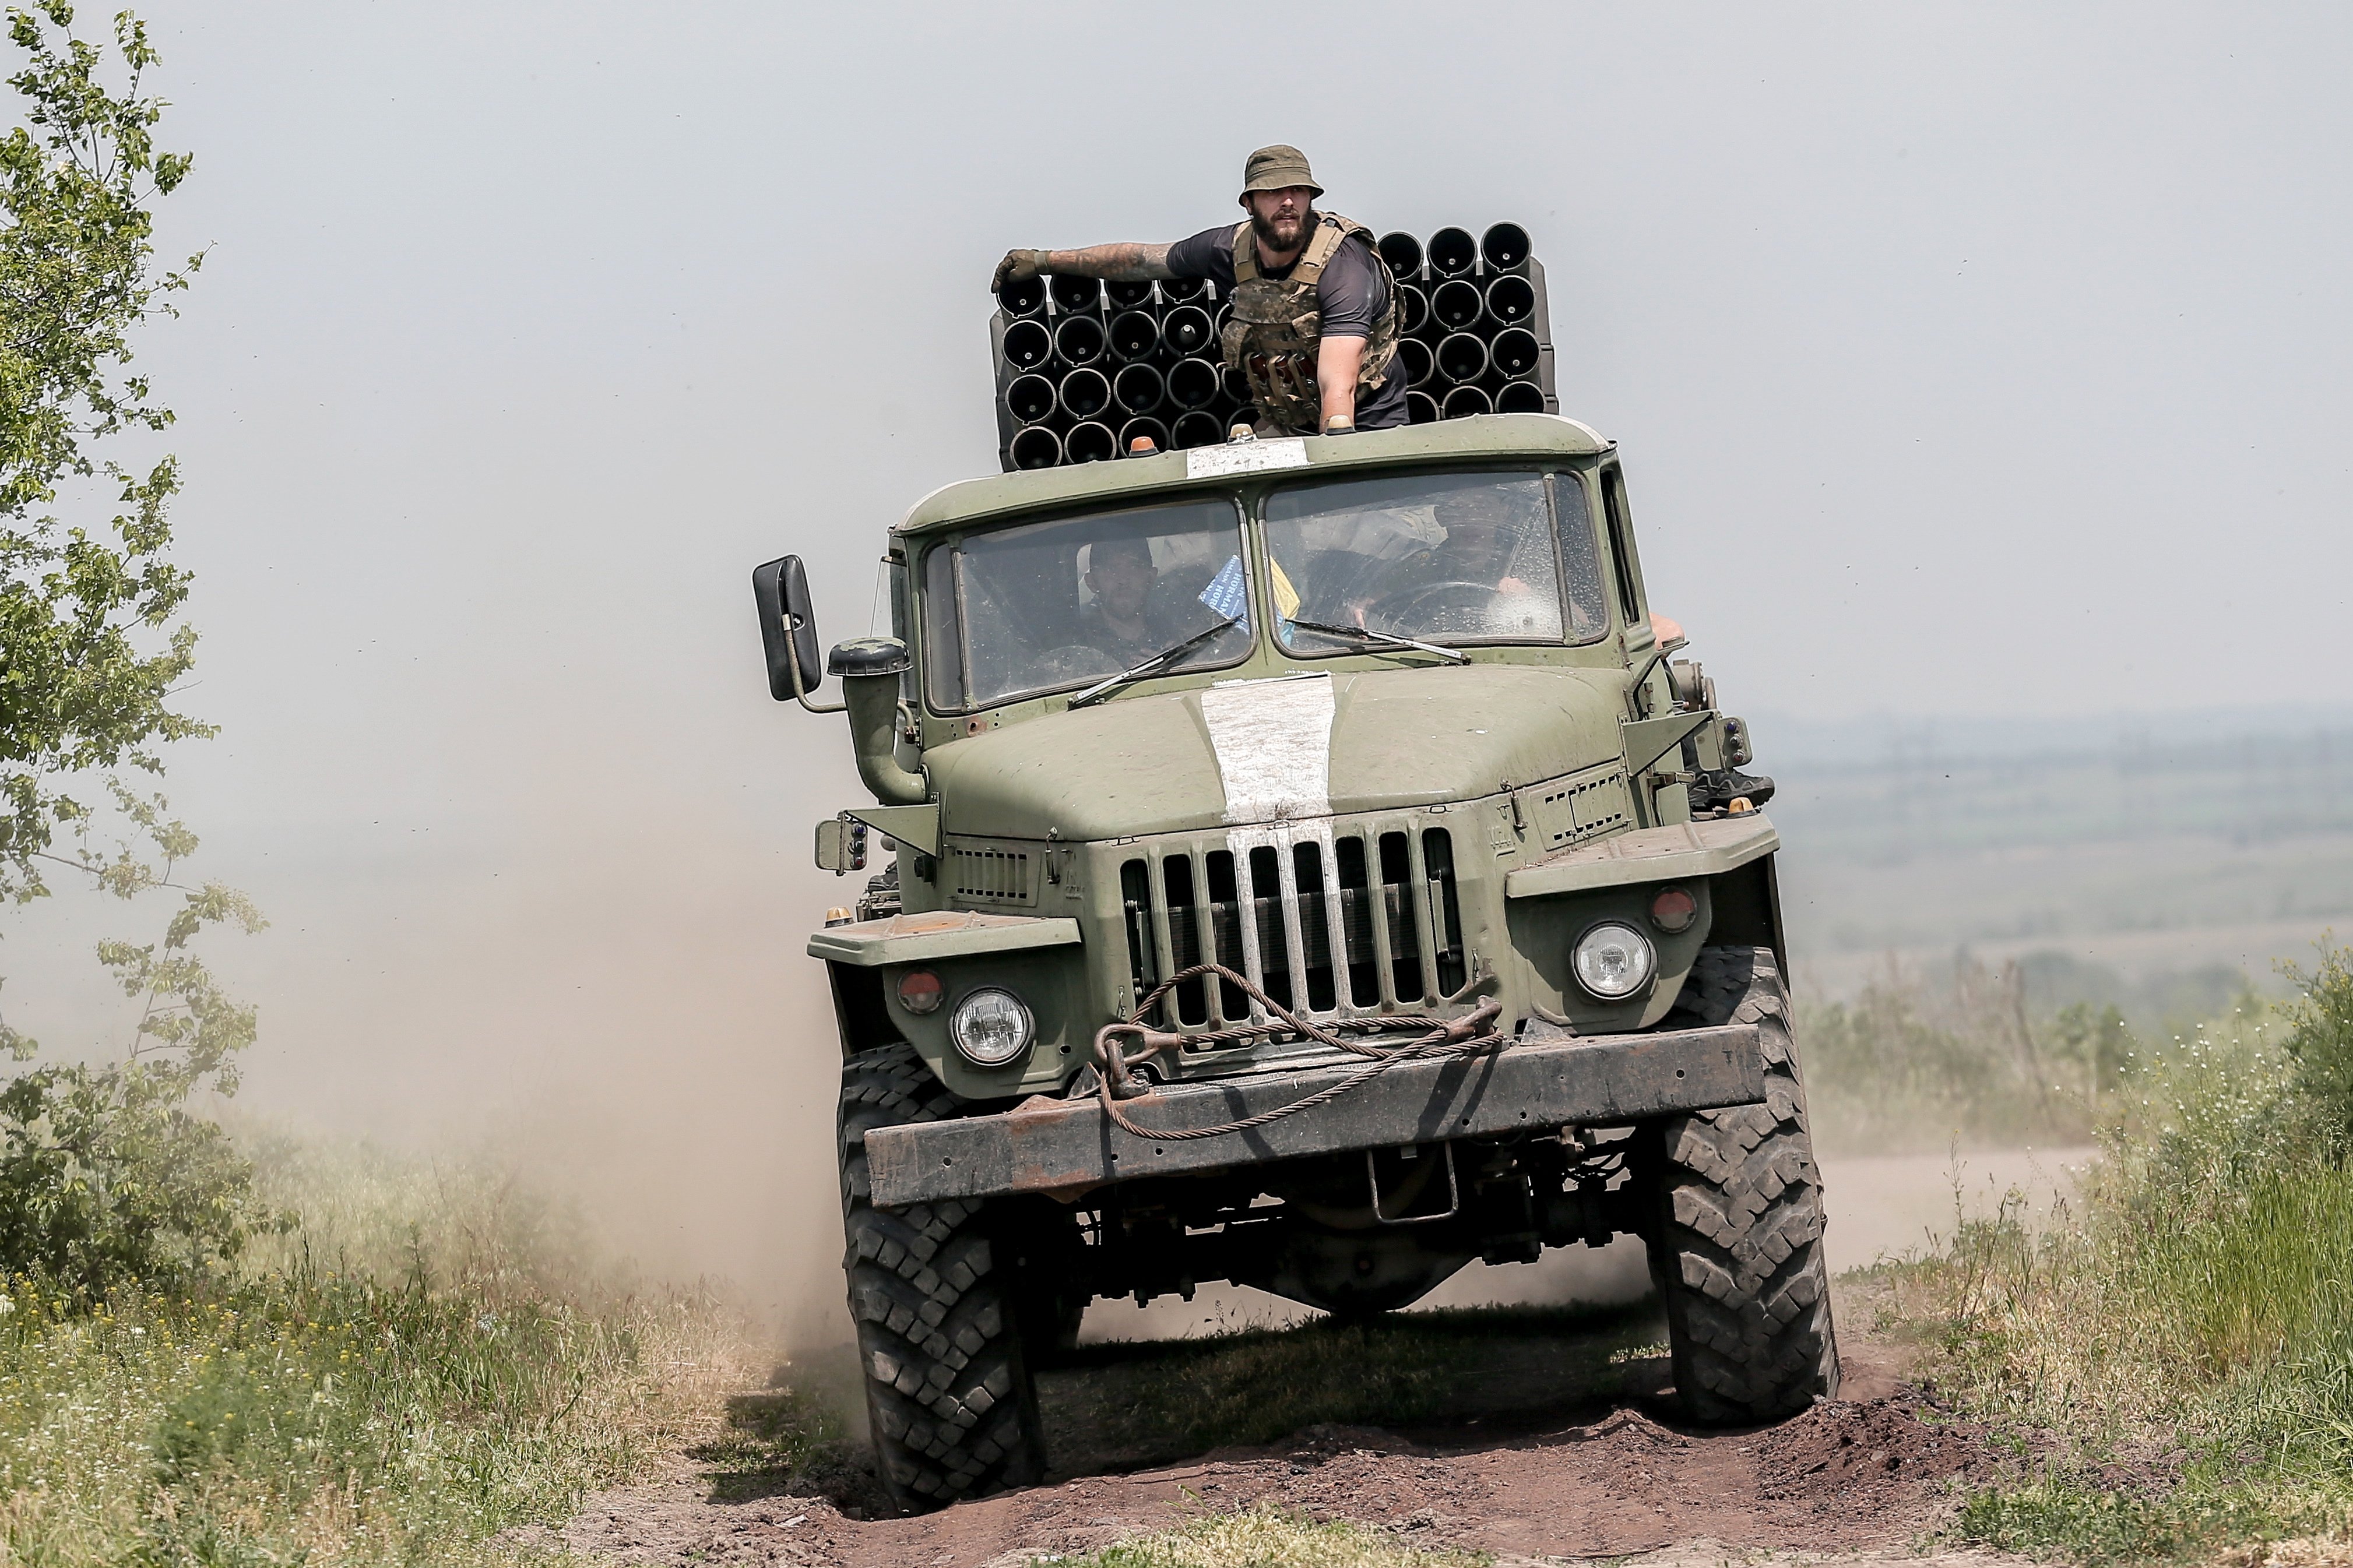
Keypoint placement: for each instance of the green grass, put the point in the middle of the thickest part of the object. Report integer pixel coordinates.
(2177, 1353)
(424, 1363)
(1266, 1538)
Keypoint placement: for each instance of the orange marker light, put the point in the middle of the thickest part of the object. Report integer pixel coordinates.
(920, 992)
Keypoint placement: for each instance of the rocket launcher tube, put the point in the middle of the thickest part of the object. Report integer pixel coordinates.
(1036, 447)
(1193, 383)
(1137, 390)
(1452, 253)
(1403, 253)
(1462, 357)
(1135, 336)
(1504, 245)
(1458, 305)
(1188, 330)
(1520, 398)
(1515, 353)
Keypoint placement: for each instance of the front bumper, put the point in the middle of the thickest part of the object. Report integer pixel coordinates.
(1065, 1147)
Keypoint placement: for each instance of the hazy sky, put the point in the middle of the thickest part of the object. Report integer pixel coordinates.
(1965, 358)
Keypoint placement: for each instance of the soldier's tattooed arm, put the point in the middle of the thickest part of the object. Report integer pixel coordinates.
(1124, 262)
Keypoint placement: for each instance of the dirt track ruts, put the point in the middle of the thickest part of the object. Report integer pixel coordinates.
(1861, 1475)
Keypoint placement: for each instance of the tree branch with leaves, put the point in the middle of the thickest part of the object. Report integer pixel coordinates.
(105, 1173)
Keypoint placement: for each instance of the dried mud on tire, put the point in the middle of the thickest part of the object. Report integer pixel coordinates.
(1618, 1475)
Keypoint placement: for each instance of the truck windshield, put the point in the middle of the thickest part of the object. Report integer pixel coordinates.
(1049, 605)
(1459, 557)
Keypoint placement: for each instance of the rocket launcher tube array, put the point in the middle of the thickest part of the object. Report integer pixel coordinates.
(1081, 358)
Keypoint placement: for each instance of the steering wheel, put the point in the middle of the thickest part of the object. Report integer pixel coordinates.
(1416, 604)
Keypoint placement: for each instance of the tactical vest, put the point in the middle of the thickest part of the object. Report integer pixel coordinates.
(1276, 326)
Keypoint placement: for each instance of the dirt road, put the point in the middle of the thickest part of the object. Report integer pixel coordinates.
(1536, 1460)
(1607, 1477)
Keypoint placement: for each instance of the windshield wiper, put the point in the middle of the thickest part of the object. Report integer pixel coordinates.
(1364, 633)
(1159, 660)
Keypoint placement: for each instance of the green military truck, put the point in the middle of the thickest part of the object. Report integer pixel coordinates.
(1299, 864)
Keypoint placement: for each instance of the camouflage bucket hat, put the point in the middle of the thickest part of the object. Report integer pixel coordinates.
(1278, 168)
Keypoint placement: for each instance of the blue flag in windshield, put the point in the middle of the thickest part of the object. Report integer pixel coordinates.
(1227, 596)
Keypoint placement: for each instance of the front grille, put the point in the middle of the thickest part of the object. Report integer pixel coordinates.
(1271, 912)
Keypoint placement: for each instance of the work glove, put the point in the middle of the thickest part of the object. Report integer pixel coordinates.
(1019, 266)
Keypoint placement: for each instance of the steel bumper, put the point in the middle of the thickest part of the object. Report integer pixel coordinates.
(1065, 1146)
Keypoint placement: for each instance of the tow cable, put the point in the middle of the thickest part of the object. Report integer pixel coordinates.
(1115, 1067)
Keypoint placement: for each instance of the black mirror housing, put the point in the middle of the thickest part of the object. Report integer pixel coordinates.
(788, 628)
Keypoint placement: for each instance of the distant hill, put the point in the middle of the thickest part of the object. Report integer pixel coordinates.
(2156, 850)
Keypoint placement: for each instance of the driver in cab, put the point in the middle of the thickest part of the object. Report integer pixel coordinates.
(1123, 623)
(1436, 587)
(1481, 543)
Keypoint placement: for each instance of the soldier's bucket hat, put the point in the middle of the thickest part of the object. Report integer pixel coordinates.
(1278, 168)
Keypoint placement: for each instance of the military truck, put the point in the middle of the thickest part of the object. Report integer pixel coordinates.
(1393, 909)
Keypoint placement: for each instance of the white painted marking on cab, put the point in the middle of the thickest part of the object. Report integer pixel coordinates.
(1274, 745)
(1273, 740)
(1244, 458)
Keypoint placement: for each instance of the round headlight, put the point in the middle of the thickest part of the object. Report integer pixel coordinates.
(990, 1026)
(1613, 961)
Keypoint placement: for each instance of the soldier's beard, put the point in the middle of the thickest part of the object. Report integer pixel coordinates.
(1270, 240)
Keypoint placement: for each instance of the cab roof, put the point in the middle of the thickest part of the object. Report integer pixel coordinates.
(1488, 434)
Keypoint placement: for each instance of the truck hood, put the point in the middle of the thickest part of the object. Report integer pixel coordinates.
(1286, 749)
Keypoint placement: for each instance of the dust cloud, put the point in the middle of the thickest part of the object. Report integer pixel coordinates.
(586, 965)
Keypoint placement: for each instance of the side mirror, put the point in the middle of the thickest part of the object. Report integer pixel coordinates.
(788, 628)
(840, 846)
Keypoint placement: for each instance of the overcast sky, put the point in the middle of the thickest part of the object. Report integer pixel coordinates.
(1965, 359)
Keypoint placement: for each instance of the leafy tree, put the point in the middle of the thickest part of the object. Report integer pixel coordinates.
(104, 1173)
(2320, 1037)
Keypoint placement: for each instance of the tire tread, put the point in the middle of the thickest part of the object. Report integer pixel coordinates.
(950, 1399)
(1738, 1254)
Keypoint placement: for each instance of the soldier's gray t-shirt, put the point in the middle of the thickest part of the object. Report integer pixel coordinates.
(1351, 294)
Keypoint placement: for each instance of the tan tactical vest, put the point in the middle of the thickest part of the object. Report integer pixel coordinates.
(1272, 334)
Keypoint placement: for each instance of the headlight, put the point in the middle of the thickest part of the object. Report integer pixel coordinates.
(1613, 961)
(990, 1026)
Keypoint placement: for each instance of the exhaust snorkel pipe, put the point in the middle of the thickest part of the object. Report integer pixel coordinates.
(868, 670)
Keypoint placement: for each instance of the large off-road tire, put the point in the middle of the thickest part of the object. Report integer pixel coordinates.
(1738, 1248)
(949, 1394)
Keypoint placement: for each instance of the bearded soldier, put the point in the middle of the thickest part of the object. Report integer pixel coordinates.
(1314, 323)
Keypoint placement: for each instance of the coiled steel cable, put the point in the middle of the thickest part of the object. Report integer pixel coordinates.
(1458, 1036)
